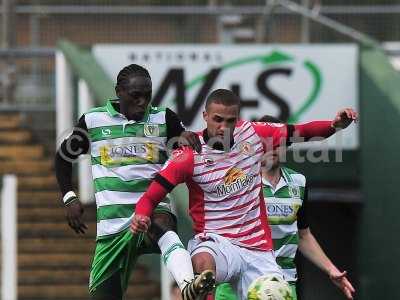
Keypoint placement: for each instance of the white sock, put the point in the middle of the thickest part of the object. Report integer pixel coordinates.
(176, 258)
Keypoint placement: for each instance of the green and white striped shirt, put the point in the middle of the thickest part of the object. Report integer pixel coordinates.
(125, 156)
(284, 208)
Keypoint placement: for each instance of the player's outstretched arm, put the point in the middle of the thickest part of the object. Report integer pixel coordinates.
(277, 134)
(311, 249)
(74, 145)
(323, 129)
(177, 170)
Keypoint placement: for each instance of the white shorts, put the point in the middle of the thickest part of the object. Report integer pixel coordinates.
(236, 265)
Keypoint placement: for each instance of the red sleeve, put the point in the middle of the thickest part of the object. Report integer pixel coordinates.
(180, 167)
(146, 204)
(317, 130)
(271, 134)
(275, 134)
(177, 170)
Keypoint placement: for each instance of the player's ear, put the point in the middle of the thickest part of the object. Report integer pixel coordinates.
(117, 91)
(205, 116)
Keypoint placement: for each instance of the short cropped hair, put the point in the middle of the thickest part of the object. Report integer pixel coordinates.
(129, 71)
(224, 97)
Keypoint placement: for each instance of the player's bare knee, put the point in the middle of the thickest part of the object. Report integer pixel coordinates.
(160, 224)
(203, 261)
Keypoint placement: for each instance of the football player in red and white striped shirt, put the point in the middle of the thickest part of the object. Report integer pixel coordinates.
(232, 236)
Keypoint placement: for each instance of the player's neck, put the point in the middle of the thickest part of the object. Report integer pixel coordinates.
(121, 110)
(218, 145)
(273, 175)
(136, 118)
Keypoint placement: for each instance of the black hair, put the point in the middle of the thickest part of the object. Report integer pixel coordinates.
(269, 119)
(129, 71)
(223, 96)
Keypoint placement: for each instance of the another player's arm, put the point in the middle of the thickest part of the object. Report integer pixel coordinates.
(73, 146)
(324, 129)
(311, 249)
(282, 134)
(178, 134)
(177, 170)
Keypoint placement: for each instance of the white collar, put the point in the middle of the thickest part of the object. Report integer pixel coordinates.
(282, 182)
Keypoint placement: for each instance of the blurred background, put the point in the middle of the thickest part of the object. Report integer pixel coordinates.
(50, 72)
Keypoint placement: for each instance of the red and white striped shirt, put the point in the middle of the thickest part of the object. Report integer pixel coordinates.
(225, 195)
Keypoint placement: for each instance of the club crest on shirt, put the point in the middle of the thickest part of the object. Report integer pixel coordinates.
(294, 191)
(151, 130)
(246, 148)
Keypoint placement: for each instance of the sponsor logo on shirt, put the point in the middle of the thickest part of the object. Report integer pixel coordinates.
(233, 174)
(234, 180)
(128, 150)
(106, 132)
(117, 154)
(280, 210)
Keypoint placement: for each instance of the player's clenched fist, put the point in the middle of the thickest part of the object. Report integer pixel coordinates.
(140, 223)
(344, 118)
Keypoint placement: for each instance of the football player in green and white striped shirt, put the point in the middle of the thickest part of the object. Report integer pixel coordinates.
(128, 141)
(285, 193)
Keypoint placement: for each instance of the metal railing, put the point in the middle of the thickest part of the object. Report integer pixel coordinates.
(196, 9)
(31, 71)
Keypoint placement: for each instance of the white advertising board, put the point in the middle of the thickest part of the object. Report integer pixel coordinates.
(296, 83)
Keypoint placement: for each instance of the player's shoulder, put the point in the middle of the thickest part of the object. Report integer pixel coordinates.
(158, 109)
(101, 116)
(183, 153)
(242, 125)
(297, 177)
(98, 109)
(107, 109)
(157, 115)
(96, 116)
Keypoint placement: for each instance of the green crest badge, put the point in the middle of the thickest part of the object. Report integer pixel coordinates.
(151, 130)
(294, 191)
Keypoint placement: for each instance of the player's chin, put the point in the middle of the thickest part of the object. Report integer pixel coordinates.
(220, 138)
(137, 115)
